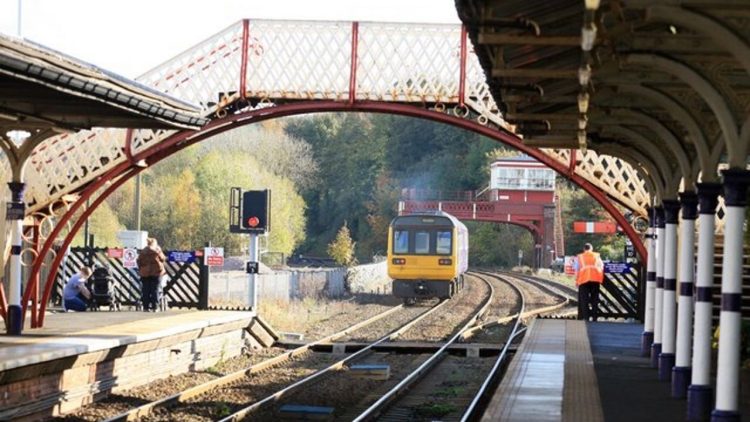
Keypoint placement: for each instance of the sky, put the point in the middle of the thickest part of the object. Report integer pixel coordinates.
(130, 37)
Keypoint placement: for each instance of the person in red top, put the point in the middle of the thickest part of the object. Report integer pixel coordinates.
(589, 276)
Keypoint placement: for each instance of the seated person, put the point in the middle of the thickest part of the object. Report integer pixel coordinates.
(75, 293)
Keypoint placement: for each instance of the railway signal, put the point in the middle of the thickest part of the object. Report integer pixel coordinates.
(249, 212)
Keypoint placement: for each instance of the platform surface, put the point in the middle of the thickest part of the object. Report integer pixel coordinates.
(551, 378)
(578, 371)
(73, 333)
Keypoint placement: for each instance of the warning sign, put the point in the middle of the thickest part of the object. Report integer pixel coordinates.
(129, 258)
(214, 256)
(569, 264)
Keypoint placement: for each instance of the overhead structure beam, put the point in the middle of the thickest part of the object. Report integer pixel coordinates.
(681, 115)
(646, 148)
(510, 39)
(722, 36)
(710, 94)
(566, 117)
(668, 138)
(535, 73)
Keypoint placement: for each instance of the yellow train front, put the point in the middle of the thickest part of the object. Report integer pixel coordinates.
(427, 255)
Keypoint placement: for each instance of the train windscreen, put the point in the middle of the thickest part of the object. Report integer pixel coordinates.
(423, 242)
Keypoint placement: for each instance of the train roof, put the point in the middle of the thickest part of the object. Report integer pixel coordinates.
(455, 221)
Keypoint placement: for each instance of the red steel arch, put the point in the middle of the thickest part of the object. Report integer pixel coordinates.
(183, 139)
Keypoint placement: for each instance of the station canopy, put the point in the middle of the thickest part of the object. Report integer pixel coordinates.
(42, 89)
(662, 84)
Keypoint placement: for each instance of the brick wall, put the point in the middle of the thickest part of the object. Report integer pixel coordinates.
(77, 381)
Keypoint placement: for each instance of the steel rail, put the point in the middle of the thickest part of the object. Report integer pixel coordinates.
(242, 413)
(562, 288)
(374, 410)
(471, 409)
(566, 300)
(197, 390)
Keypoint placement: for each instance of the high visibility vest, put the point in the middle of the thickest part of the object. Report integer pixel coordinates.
(590, 268)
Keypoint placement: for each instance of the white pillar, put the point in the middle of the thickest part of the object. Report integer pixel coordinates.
(658, 301)
(647, 339)
(700, 392)
(14, 214)
(681, 370)
(669, 304)
(253, 276)
(727, 379)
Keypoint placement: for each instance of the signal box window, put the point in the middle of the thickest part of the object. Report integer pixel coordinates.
(422, 242)
(443, 243)
(401, 242)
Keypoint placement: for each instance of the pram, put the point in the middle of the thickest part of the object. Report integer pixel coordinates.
(101, 286)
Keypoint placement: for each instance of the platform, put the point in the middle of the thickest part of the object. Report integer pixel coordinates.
(578, 371)
(79, 356)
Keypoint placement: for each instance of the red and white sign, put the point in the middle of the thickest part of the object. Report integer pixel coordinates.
(115, 252)
(214, 256)
(130, 258)
(605, 227)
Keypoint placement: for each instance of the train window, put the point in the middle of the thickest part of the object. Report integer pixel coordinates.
(422, 242)
(401, 241)
(444, 242)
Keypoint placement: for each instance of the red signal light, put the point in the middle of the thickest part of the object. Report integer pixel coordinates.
(253, 221)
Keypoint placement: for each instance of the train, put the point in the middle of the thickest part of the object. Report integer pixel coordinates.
(428, 254)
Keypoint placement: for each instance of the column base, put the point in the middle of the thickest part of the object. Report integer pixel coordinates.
(680, 381)
(725, 416)
(655, 352)
(666, 363)
(14, 318)
(647, 339)
(699, 402)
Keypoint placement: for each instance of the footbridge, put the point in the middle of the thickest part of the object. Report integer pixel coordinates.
(256, 70)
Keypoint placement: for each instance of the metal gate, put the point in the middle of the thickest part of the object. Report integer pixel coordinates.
(620, 294)
(183, 290)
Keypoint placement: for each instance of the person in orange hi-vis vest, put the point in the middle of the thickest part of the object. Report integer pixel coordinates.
(589, 276)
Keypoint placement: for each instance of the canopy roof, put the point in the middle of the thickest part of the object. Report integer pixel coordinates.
(669, 80)
(41, 88)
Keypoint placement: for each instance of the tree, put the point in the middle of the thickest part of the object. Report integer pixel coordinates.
(103, 224)
(578, 205)
(342, 247)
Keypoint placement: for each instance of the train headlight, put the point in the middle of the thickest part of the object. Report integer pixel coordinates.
(398, 261)
(445, 261)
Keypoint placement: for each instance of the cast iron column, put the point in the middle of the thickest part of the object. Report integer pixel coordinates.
(728, 371)
(681, 371)
(647, 339)
(700, 392)
(669, 305)
(14, 215)
(658, 301)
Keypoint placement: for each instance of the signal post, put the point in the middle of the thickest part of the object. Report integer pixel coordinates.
(249, 213)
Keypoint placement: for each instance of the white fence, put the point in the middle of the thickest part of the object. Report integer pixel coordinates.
(231, 288)
(370, 278)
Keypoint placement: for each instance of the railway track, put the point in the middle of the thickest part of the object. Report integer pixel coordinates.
(430, 378)
(430, 370)
(184, 396)
(339, 373)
